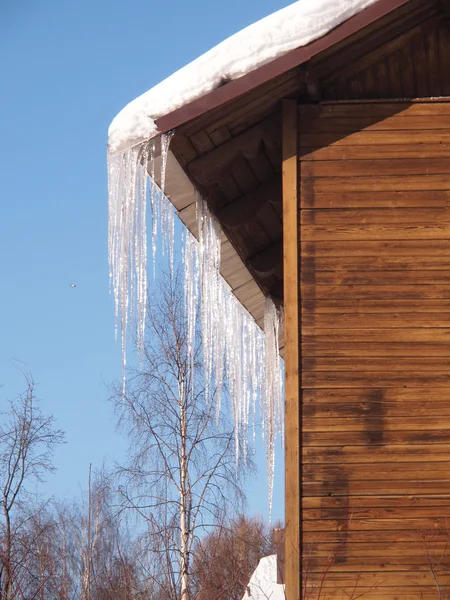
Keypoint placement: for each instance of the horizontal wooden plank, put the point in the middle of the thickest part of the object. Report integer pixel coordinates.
(366, 306)
(361, 438)
(363, 563)
(380, 166)
(421, 471)
(379, 335)
(365, 247)
(363, 581)
(344, 455)
(384, 513)
(376, 277)
(363, 524)
(392, 486)
(366, 537)
(391, 199)
(336, 348)
(375, 216)
(350, 124)
(376, 292)
(383, 501)
(373, 380)
(333, 410)
(379, 232)
(399, 395)
(392, 593)
(361, 152)
(378, 423)
(379, 109)
(376, 365)
(361, 320)
(375, 183)
(374, 138)
(314, 264)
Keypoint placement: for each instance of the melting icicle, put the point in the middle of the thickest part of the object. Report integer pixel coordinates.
(233, 346)
(273, 388)
(127, 241)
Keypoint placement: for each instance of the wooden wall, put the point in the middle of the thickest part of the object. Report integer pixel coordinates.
(375, 347)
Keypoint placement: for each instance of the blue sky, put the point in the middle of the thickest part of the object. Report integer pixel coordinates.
(67, 68)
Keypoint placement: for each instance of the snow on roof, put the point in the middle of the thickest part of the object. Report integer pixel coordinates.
(292, 27)
(263, 583)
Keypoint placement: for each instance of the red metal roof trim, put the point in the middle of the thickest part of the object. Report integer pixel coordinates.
(277, 67)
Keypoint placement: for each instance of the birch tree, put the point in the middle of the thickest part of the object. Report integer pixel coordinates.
(181, 476)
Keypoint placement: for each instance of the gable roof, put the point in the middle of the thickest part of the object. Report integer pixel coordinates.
(258, 53)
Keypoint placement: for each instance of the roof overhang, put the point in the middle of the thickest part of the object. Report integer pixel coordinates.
(278, 66)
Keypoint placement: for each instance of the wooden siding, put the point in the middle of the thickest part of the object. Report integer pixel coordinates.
(375, 368)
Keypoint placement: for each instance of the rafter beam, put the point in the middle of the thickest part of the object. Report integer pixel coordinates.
(207, 168)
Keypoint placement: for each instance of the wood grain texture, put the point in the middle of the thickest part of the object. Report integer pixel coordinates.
(375, 364)
(292, 394)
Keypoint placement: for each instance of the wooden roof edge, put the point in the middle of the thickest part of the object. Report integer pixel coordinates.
(276, 67)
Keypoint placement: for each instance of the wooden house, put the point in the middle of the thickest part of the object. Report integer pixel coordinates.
(329, 171)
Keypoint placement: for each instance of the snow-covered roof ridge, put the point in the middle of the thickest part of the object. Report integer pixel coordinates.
(287, 29)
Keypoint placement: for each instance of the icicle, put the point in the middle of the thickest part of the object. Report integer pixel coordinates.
(166, 207)
(127, 241)
(273, 389)
(233, 346)
(191, 291)
(153, 205)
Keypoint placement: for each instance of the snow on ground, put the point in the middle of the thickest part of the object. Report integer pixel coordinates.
(292, 27)
(263, 583)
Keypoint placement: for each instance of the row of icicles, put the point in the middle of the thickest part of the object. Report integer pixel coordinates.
(234, 347)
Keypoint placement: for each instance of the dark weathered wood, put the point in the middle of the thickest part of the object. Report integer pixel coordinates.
(351, 455)
(269, 261)
(359, 438)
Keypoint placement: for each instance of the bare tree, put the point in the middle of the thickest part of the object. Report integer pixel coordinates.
(226, 558)
(27, 442)
(182, 474)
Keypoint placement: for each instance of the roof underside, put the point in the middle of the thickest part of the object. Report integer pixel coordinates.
(232, 153)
